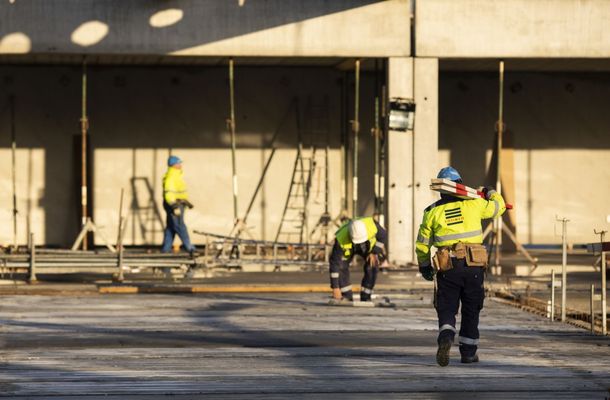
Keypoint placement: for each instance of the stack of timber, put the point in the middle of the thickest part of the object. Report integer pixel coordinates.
(446, 186)
(221, 249)
(55, 261)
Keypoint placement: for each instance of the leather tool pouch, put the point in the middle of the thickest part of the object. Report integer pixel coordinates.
(476, 255)
(459, 250)
(442, 260)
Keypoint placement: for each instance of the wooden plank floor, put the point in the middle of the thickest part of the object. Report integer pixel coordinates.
(276, 346)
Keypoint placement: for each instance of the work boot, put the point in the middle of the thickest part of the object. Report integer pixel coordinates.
(344, 301)
(442, 354)
(470, 359)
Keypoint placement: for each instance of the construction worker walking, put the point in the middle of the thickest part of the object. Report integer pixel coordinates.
(363, 237)
(175, 200)
(453, 226)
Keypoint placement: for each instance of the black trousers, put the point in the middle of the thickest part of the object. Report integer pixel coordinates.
(464, 285)
(367, 284)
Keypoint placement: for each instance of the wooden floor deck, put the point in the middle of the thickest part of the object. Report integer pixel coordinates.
(272, 346)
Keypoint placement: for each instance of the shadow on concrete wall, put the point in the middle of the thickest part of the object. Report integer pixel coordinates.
(544, 113)
(162, 108)
(50, 26)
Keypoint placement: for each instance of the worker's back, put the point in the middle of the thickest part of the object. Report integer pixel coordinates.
(451, 220)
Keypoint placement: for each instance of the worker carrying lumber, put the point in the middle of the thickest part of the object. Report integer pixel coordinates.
(175, 201)
(453, 226)
(363, 237)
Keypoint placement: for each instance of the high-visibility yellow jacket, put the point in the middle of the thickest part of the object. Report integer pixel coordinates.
(174, 188)
(345, 241)
(343, 248)
(452, 220)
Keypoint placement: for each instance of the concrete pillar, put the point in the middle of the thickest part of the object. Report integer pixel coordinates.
(412, 156)
(425, 139)
(400, 168)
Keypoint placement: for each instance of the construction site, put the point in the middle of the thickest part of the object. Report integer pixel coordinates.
(285, 121)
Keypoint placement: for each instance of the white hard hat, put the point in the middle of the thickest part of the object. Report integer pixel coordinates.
(357, 231)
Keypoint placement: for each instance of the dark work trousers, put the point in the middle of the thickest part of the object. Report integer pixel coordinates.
(461, 284)
(367, 284)
(175, 226)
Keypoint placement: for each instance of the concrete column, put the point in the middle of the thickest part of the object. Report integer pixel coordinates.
(412, 156)
(400, 168)
(425, 138)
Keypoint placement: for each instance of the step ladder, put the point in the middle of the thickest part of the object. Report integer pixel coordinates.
(318, 120)
(293, 225)
(144, 211)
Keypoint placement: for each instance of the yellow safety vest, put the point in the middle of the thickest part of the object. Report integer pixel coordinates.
(345, 241)
(459, 221)
(174, 187)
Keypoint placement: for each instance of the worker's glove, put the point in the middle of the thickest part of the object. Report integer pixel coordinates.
(488, 191)
(188, 204)
(427, 272)
(373, 260)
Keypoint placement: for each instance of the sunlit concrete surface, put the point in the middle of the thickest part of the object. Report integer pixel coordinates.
(282, 346)
(15, 43)
(89, 33)
(513, 28)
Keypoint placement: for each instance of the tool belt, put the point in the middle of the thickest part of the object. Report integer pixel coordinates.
(474, 254)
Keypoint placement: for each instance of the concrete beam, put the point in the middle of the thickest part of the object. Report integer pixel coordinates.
(513, 28)
(285, 28)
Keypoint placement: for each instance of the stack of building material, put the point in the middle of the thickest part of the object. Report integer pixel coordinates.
(458, 190)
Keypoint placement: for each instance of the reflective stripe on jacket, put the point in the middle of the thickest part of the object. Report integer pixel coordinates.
(453, 220)
(345, 241)
(174, 187)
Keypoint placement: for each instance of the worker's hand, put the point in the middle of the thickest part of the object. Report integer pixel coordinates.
(488, 191)
(188, 204)
(337, 293)
(373, 260)
(177, 211)
(427, 272)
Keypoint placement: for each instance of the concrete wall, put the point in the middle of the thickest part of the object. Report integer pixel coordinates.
(137, 116)
(557, 145)
(214, 27)
(512, 28)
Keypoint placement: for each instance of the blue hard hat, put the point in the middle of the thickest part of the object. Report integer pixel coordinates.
(449, 173)
(173, 160)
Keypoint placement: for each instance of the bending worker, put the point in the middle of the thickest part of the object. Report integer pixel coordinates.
(175, 200)
(363, 237)
(453, 226)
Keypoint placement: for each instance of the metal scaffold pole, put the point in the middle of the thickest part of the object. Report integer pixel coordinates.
(84, 127)
(231, 123)
(376, 141)
(14, 169)
(382, 153)
(497, 228)
(356, 130)
(564, 267)
(376, 151)
(498, 221)
(344, 147)
(604, 301)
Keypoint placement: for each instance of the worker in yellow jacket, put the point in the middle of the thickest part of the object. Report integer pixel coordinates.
(363, 237)
(175, 201)
(453, 226)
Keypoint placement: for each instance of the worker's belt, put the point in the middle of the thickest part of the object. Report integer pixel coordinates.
(474, 254)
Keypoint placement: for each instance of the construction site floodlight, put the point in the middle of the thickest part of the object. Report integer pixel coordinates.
(402, 114)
